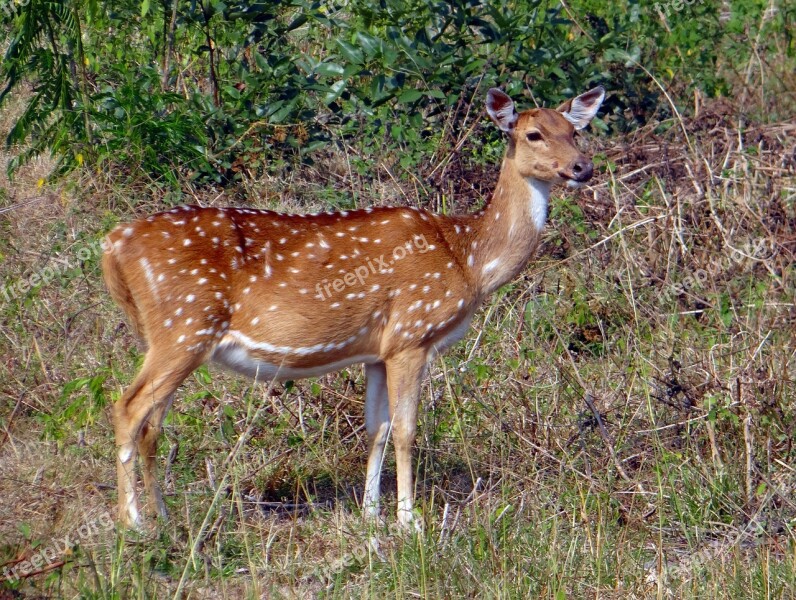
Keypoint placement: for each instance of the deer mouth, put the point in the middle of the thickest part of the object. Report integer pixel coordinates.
(578, 172)
(577, 178)
(574, 183)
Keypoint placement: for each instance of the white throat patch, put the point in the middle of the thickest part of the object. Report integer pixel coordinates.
(540, 193)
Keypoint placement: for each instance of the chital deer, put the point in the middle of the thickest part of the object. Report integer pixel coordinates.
(277, 296)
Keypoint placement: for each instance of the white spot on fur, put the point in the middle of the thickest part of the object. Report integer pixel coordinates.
(491, 265)
(150, 277)
(125, 452)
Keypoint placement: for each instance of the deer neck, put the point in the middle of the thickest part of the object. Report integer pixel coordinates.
(507, 231)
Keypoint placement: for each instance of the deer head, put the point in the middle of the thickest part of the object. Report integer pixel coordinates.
(541, 141)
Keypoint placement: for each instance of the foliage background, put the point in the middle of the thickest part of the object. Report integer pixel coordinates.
(207, 90)
(620, 421)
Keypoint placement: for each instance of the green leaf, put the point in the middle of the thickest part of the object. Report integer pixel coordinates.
(369, 44)
(75, 384)
(203, 376)
(279, 115)
(260, 61)
(334, 92)
(297, 22)
(475, 66)
(350, 52)
(312, 146)
(410, 96)
(329, 69)
(144, 7)
(24, 529)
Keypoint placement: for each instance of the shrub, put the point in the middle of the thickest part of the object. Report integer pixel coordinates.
(211, 89)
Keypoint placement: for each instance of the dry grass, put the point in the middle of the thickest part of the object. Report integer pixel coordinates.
(616, 425)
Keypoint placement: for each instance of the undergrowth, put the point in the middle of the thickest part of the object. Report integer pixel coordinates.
(619, 422)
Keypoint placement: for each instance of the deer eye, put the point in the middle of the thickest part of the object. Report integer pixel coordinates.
(533, 136)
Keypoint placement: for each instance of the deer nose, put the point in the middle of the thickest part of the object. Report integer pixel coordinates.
(582, 169)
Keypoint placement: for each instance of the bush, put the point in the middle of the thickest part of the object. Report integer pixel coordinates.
(209, 90)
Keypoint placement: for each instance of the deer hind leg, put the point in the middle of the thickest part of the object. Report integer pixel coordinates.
(147, 449)
(145, 402)
(405, 374)
(377, 424)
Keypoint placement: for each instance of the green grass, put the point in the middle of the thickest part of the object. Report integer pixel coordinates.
(604, 431)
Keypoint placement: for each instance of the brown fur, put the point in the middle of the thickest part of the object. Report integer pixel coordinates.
(121, 293)
(275, 295)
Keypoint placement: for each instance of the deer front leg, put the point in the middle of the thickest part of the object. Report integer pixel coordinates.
(404, 377)
(377, 423)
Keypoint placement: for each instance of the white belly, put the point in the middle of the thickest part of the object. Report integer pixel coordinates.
(238, 359)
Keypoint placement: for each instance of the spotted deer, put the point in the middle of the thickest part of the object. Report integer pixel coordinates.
(284, 296)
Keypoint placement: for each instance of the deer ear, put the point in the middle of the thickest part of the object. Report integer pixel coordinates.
(501, 110)
(581, 110)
